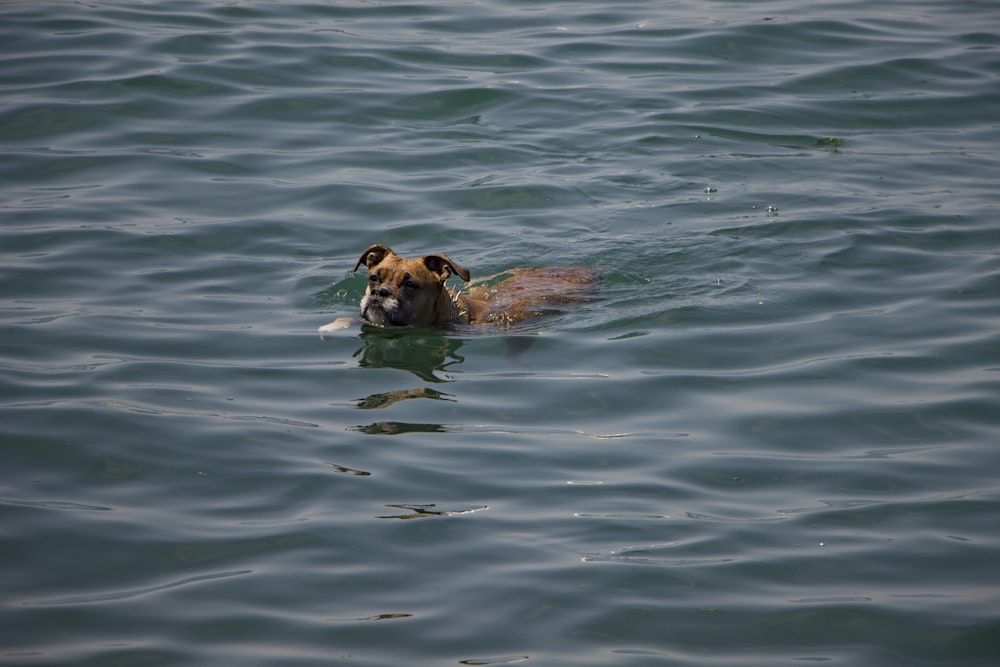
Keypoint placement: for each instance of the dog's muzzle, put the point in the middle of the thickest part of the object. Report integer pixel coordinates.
(382, 309)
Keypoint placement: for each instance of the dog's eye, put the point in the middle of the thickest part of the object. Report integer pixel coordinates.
(373, 279)
(409, 283)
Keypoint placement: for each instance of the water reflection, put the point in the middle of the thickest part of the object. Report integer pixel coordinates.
(397, 428)
(426, 354)
(387, 398)
(422, 353)
(429, 510)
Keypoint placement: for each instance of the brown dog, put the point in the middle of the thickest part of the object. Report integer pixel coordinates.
(412, 292)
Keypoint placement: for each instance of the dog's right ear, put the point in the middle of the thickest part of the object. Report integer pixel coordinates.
(374, 255)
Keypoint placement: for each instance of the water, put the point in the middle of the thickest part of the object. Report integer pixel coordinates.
(771, 441)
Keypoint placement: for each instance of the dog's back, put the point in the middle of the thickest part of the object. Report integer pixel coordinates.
(520, 294)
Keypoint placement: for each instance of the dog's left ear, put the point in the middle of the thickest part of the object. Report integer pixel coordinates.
(444, 267)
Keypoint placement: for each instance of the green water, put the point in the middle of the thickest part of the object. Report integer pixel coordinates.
(771, 440)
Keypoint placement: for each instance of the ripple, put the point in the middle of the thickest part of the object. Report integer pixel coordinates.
(133, 593)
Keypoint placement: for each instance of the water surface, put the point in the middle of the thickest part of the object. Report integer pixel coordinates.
(772, 440)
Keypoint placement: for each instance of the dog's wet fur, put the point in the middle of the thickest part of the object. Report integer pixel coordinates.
(412, 292)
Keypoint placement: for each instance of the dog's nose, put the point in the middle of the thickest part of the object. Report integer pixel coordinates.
(382, 291)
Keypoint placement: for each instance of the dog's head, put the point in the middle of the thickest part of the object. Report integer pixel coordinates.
(407, 292)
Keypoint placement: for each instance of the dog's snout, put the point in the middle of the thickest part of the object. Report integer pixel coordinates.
(382, 292)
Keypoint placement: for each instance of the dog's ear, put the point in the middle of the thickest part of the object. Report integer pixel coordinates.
(374, 255)
(443, 266)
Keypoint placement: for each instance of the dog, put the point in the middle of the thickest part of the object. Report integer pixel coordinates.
(405, 292)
